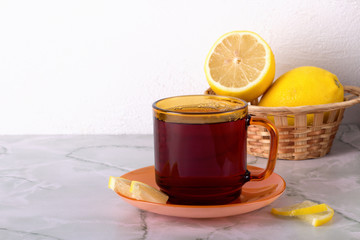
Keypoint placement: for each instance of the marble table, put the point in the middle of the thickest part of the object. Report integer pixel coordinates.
(55, 187)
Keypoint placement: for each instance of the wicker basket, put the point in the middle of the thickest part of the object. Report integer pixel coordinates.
(298, 139)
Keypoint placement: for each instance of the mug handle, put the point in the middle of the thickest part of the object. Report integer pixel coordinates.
(274, 141)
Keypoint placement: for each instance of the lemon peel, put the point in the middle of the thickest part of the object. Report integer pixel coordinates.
(318, 219)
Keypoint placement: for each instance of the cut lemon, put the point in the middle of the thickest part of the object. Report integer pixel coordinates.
(306, 207)
(142, 191)
(120, 185)
(307, 211)
(318, 219)
(137, 190)
(240, 64)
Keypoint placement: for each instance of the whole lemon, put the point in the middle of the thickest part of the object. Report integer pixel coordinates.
(302, 86)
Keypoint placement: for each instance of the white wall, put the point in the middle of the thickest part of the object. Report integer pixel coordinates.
(96, 66)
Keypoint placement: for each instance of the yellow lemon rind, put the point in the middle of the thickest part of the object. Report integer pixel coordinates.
(301, 211)
(318, 219)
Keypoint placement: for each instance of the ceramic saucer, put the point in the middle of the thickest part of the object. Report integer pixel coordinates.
(255, 195)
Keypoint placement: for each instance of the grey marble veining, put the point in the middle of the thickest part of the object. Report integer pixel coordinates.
(55, 187)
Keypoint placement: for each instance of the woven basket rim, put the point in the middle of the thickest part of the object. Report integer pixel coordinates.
(348, 102)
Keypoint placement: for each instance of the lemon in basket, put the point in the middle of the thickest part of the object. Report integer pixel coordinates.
(304, 86)
(240, 64)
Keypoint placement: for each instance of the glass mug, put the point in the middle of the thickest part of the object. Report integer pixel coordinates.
(200, 148)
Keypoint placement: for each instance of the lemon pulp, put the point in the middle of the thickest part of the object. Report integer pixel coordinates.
(240, 64)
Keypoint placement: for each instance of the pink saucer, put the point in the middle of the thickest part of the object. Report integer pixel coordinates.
(255, 195)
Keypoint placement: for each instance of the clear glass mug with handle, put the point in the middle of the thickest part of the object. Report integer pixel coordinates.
(201, 148)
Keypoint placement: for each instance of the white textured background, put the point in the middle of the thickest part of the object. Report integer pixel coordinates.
(96, 66)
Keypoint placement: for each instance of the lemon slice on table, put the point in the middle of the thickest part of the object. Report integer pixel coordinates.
(142, 191)
(240, 64)
(318, 219)
(308, 211)
(306, 207)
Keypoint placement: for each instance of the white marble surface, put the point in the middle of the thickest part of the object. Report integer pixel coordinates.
(55, 187)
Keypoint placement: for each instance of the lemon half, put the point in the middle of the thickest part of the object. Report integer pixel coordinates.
(240, 64)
